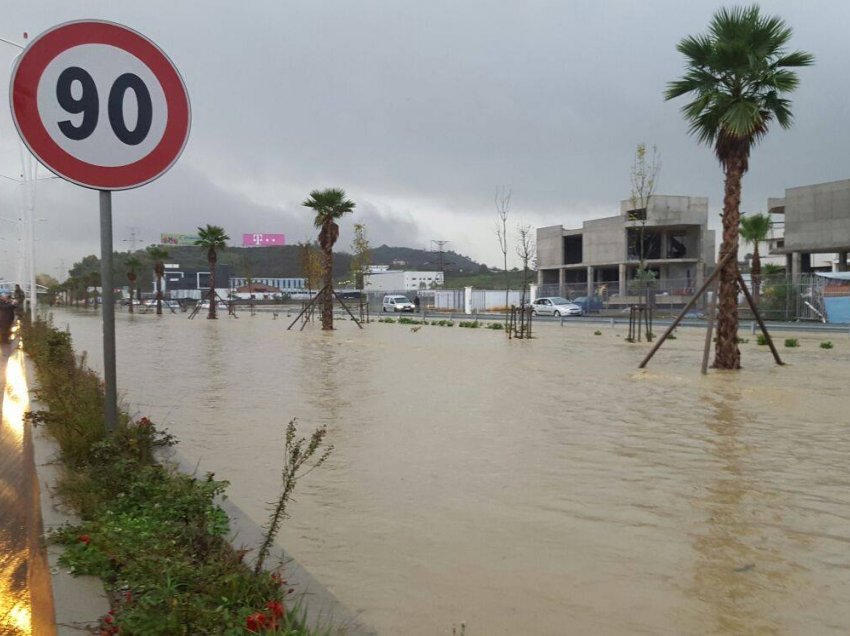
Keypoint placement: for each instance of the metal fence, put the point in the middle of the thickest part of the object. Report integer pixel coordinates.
(778, 298)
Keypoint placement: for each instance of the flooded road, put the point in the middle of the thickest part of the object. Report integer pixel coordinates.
(543, 487)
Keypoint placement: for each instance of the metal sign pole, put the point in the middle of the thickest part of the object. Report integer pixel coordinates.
(108, 308)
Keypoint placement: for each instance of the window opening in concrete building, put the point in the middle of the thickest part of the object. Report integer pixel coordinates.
(573, 252)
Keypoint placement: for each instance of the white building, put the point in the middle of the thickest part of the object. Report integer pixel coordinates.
(400, 280)
(287, 285)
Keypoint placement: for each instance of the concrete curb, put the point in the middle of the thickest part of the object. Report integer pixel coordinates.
(80, 601)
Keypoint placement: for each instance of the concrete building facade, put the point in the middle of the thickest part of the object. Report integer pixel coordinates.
(677, 246)
(816, 222)
(379, 279)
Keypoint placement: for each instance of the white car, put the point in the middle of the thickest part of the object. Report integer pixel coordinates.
(555, 306)
(397, 303)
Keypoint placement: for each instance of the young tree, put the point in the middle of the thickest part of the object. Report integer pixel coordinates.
(737, 76)
(527, 252)
(213, 239)
(644, 177)
(362, 254)
(329, 206)
(311, 265)
(133, 264)
(502, 200)
(158, 255)
(755, 229)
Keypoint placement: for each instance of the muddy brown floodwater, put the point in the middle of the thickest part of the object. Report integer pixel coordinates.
(523, 487)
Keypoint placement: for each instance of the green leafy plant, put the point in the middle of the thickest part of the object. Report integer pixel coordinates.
(297, 455)
(496, 326)
(761, 339)
(469, 324)
(791, 342)
(597, 333)
(826, 344)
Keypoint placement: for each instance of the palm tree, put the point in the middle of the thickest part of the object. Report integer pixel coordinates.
(132, 263)
(755, 228)
(736, 75)
(158, 254)
(329, 206)
(212, 238)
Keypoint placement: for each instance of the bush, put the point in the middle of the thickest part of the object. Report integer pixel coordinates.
(826, 345)
(761, 339)
(791, 342)
(495, 326)
(597, 333)
(469, 324)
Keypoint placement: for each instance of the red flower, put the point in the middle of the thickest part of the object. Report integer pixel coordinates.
(276, 608)
(255, 622)
(144, 422)
(84, 538)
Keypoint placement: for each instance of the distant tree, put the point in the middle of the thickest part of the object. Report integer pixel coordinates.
(213, 239)
(736, 76)
(133, 264)
(362, 254)
(329, 206)
(158, 255)
(311, 265)
(755, 228)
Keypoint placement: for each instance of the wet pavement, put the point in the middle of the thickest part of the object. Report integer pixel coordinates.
(24, 579)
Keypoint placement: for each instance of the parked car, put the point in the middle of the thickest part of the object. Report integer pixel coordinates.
(555, 306)
(594, 305)
(397, 303)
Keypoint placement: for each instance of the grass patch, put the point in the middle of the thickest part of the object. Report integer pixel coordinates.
(791, 342)
(761, 340)
(826, 344)
(469, 324)
(157, 537)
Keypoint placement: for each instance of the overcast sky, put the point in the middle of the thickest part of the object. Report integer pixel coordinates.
(420, 110)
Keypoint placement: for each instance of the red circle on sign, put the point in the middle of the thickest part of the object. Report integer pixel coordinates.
(24, 97)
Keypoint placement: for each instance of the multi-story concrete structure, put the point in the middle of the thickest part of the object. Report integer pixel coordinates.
(816, 222)
(677, 246)
(286, 285)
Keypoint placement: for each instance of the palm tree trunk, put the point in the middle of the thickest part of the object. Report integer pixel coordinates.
(158, 294)
(726, 352)
(327, 293)
(756, 273)
(211, 315)
(132, 282)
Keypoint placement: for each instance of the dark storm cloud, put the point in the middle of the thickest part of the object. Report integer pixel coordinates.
(421, 109)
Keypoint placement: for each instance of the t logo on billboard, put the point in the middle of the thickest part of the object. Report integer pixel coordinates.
(259, 239)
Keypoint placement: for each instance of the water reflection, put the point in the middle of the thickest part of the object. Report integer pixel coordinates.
(15, 603)
(737, 573)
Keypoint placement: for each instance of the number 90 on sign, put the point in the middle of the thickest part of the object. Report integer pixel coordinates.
(102, 105)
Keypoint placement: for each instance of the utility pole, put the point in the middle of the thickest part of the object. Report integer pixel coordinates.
(440, 245)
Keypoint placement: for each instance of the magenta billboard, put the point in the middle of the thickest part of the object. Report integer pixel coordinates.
(263, 240)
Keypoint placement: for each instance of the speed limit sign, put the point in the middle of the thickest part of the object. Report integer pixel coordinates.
(100, 105)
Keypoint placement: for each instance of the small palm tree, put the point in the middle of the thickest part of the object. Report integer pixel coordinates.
(132, 263)
(158, 255)
(736, 76)
(754, 229)
(212, 238)
(329, 205)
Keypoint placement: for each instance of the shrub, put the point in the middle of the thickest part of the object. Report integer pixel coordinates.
(597, 333)
(495, 326)
(469, 324)
(761, 339)
(791, 342)
(826, 345)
